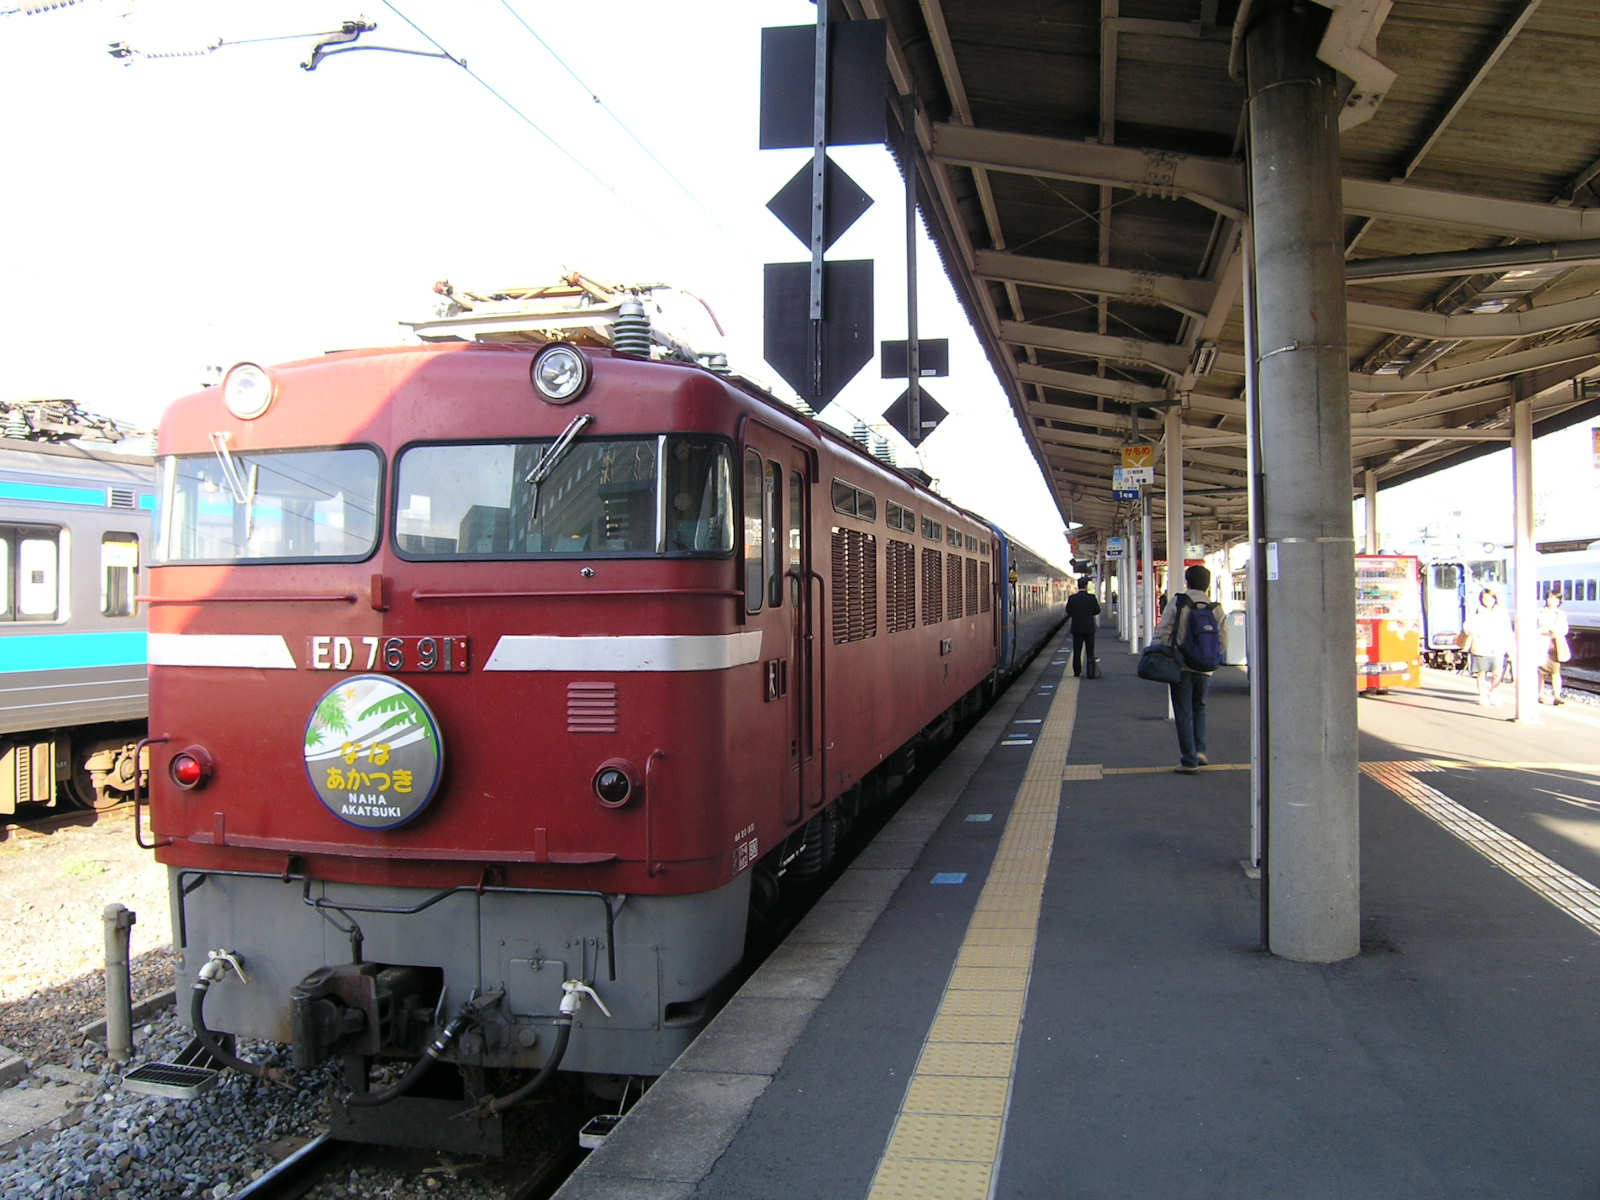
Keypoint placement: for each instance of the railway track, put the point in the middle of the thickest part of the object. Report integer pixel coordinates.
(25, 824)
(1582, 679)
(537, 1162)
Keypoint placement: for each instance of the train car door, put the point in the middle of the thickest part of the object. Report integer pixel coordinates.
(780, 598)
(807, 782)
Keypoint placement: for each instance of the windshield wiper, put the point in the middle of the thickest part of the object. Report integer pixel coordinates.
(240, 487)
(552, 455)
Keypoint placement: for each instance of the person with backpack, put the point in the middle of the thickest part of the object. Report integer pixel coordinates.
(1196, 627)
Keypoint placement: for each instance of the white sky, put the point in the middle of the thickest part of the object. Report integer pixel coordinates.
(184, 212)
(177, 213)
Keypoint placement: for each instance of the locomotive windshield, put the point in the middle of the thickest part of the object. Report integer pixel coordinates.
(602, 496)
(268, 506)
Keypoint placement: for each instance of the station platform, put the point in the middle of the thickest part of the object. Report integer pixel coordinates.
(1044, 978)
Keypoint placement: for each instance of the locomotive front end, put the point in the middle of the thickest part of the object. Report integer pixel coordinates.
(446, 652)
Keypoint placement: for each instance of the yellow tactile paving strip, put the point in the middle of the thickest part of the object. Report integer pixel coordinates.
(946, 1138)
(1572, 894)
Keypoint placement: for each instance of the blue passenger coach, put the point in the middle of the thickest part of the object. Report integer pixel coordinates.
(1033, 592)
(74, 527)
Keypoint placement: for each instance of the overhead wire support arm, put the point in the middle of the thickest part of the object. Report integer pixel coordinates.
(351, 30)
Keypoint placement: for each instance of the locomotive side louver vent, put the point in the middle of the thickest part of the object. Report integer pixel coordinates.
(901, 560)
(120, 498)
(972, 586)
(932, 586)
(855, 585)
(591, 708)
(983, 587)
(953, 585)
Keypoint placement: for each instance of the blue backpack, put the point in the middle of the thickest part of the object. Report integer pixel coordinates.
(1201, 645)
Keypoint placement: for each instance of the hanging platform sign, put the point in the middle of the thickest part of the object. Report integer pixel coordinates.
(1138, 467)
(1114, 547)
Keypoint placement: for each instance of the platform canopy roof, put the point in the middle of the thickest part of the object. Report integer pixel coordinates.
(1082, 171)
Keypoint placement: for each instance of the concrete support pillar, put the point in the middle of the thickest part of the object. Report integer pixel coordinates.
(1529, 651)
(1255, 586)
(1312, 852)
(1131, 602)
(1369, 485)
(1147, 576)
(1172, 434)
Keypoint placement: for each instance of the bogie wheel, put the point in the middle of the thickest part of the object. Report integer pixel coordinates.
(822, 843)
(103, 774)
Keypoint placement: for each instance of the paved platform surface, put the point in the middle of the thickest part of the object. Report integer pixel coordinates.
(1045, 979)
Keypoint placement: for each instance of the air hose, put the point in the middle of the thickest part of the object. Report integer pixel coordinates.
(543, 1076)
(418, 1069)
(573, 993)
(218, 963)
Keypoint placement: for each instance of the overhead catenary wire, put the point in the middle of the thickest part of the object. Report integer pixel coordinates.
(522, 116)
(621, 124)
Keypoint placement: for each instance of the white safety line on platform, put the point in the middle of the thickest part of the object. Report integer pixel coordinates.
(1571, 893)
(948, 1135)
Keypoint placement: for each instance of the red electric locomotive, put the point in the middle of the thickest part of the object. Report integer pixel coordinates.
(492, 683)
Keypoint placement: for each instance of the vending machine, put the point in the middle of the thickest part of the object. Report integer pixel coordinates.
(1388, 622)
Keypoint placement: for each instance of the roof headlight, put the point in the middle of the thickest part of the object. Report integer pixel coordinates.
(560, 372)
(247, 391)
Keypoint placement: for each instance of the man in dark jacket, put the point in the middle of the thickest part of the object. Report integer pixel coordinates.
(1083, 613)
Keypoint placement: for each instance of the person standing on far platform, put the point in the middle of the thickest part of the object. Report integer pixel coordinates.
(1083, 614)
(1552, 629)
(1488, 640)
(1189, 693)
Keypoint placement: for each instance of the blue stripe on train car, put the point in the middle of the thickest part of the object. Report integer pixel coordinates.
(51, 493)
(54, 493)
(57, 651)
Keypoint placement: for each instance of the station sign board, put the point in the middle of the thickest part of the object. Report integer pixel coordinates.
(1138, 466)
(1114, 546)
(1122, 486)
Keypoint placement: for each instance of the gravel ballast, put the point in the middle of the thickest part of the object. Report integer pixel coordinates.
(116, 1143)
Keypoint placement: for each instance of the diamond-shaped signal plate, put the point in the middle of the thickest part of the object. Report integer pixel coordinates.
(843, 202)
(929, 411)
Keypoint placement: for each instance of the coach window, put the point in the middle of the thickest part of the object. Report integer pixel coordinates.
(774, 534)
(34, 556)
(844, 498)
(797, 510)
(853, 502)
(754, 540)
(119, 567)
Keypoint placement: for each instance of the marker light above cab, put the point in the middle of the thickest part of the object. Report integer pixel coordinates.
(248, 390)
(560, 372)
